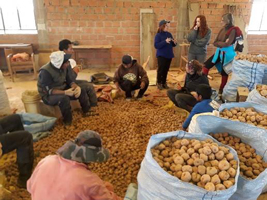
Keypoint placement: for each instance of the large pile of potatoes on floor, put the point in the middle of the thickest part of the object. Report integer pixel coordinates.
(251, 164)
(252, 58)
(203, 163)
(246, 115)
(262, 89)
(125, 128)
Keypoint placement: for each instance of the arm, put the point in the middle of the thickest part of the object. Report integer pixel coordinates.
(203, 41)
(116, 77)
(46, 82)
(71, 76)
(143, 74)
(158, 44)
(192, 36)
(229, 41)
(173, 41)
(189, 118)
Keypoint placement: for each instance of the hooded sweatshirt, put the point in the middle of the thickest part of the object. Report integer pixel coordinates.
(135, 73)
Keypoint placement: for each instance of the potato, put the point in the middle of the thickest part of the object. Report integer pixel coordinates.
(224, 165)
(177, 144)
(215, 179)
(195, 156)
(206, 150)
(195, 177)
(178, 167)
(224, 175)
(185, 156)
(227, 184)
(232, 172)
(220, 187)
(167, 165)
(186, 176)
(219, 155)
(203, 157)
(195, 169)
(214, 163)
(247, 154)
(201, 169)
(255, 166)
(229, 156)
(210, 186)
(200, 184)
(211, 171)
(190, 151)
(178, 174)
(178, 160)
(248, 173)
(190, 161)
(198, 162)
(214, 148)
(184, 142)
(205, 178)
(212, 156)
(187, 168)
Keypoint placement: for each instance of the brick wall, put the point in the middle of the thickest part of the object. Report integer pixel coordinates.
(104, 22)
(257, 44)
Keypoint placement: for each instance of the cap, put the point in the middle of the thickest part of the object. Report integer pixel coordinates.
(127, 59)
(57, 58)
(163, 22)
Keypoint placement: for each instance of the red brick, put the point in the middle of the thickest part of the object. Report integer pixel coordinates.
(119, 4)
(61, 9)
(84, 2)
(71, 9)
(55, 2)
(64, 2)
(101, 3)
(108, 10)
(98, 10)
(81, 24)
(110, 3)
(92, 3)
(75, 2)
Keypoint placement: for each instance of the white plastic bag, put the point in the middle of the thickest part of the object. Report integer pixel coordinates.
(156, 184)
(255, 97)
(256, 137)
(245, 74)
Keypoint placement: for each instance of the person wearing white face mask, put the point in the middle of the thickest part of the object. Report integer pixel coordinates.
(57, 88)
(185, 97)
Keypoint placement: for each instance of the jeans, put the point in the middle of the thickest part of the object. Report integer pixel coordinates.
(163, 68)
(90, 90)
(13, 136)
(128, 87)
(200, 58)
(182, 99)
(63, 101)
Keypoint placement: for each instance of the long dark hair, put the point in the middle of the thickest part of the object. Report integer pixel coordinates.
(203, 29)
(161, 28)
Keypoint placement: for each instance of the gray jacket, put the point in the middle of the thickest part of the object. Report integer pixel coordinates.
(198, 45)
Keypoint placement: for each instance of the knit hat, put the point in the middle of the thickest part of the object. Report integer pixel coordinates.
(86, 148)
(58, 58)
(204, 90)
(127, 59)
(163, 22)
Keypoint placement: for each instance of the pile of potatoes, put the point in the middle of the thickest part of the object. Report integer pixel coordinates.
(251, 164)
(246, 115)
(203, 163)
(252, 58)
(262, 89)
(125, 128)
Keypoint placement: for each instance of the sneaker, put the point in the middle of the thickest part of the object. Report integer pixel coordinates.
(89, 114)
(133, 93)
(159, 85)
(128, 99)
(165, 86)
(139, 98)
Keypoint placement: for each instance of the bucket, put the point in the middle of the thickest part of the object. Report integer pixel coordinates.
(4, 102)
(31, 100)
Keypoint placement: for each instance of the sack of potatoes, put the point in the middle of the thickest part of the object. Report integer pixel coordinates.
(262, 89)
(252, 58)
(246, 115)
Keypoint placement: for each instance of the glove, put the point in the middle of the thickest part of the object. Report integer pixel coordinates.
(77, 92)
(69, 92)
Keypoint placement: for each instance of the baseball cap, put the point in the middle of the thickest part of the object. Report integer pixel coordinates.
(163, 22)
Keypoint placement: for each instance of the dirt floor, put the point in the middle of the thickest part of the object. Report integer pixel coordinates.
(125, 128)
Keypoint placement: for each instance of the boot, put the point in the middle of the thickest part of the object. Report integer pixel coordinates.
(160, 86)
(25, 171)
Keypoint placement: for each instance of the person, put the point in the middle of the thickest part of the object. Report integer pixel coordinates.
(56, 87)
(66, 175)
(225, 52)
(204, 98)
(199, 37)
(14, 137)
(73, 70)
(164, 44)
(131, 76)
(184, 97)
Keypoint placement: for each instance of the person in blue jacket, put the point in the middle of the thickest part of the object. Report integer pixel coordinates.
(204, 97)
(164, 44)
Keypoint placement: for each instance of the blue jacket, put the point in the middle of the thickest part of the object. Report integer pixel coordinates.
(163, 48)
(201, 107)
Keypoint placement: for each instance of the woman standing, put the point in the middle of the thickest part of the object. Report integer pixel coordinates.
(199, 38)
(164, 44)
(225, 52)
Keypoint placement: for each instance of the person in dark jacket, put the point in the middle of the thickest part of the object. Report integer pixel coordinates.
(14, 137)
(185, 97)
(164, 44)
(56, 87)
(131, 76)
(199, 37)
(66, 46)
(203, 96)
(225, 52)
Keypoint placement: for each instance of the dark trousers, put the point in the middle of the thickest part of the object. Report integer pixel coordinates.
(182, 99)
(90, 90)
(128, 87)
(163, 68)
(13, 136)
(63, 101)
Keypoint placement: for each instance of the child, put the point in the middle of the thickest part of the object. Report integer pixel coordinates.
(203, 96)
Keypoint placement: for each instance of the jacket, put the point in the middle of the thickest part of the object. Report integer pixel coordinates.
(163, 48)
(198, 44)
